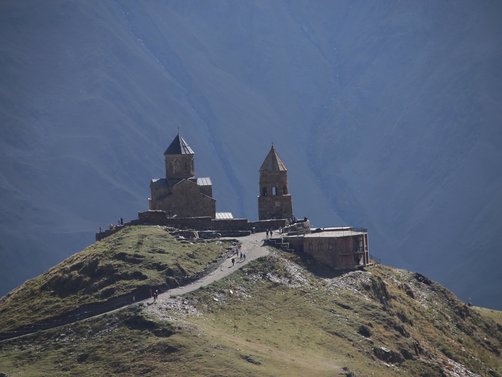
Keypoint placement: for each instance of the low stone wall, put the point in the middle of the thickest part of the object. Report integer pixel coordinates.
(234, 233)
(160, 218)
(152, 218)
(263, 225)
(227, 227)
(202, 223)
(230, 224)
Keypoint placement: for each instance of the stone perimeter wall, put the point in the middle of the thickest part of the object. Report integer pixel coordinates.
(227, 227)
(207, 223)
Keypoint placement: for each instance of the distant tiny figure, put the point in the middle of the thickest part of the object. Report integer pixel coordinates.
(155, 295)
(100, 230)
(121, 221)
(233, 261)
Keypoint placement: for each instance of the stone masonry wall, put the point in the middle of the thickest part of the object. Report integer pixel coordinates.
(336, 252)
(207, 223)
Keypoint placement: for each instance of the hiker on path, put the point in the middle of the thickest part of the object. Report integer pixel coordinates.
(233, 261)
(155, 295)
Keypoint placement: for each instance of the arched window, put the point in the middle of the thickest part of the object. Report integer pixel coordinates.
(274, 190)
(264, 191)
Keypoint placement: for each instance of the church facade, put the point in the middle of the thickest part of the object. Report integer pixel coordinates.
(181, 193)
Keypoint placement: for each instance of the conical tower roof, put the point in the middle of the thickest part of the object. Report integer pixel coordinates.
(273, 162)
(179, 146)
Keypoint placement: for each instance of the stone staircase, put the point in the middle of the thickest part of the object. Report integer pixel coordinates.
(279, 243)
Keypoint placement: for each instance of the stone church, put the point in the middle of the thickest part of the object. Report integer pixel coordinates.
(181, 200)
(181, 193)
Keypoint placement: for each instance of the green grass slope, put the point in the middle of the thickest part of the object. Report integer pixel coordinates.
(125, 264)
(274, 317)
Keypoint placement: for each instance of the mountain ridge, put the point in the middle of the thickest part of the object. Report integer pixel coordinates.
(386, 116)
(278, 315)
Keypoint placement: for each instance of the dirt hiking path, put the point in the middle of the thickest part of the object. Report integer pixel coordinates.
(252, 247)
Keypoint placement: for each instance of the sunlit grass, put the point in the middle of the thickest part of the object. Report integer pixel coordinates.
(131, 260)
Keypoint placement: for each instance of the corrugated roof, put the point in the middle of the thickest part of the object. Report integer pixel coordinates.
(179, 146)
(273, 162)
(204, 181)
(335, 234)
(224, 215)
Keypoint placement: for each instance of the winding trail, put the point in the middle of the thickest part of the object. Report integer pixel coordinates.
(252, 246)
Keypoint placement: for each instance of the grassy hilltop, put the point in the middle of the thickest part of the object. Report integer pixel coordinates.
(273, 317)
(127, 263)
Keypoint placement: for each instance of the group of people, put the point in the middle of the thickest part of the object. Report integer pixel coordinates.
(240, 254)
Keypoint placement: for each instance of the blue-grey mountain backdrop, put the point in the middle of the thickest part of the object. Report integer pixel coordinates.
(387, 115)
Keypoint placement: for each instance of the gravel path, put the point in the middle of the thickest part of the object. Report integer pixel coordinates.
(252, 246)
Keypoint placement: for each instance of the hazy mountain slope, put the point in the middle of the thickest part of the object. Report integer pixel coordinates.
(385, 114)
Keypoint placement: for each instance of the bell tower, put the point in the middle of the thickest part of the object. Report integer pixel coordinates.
(179, 159)
(274, 201)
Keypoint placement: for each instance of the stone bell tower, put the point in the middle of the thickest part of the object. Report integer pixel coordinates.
(274, 201)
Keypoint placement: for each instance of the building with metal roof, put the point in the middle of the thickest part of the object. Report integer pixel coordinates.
(179, 146)
(181, 193)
